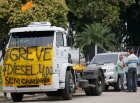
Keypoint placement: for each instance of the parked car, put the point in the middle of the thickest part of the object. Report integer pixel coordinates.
(108, 63)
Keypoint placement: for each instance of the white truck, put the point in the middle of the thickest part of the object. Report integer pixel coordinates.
(37, 59)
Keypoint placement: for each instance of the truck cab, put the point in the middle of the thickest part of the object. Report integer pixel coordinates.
(37, 59)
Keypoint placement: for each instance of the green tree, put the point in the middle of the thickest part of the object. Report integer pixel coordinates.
(108, 12)
(95, 34)
(11, 15)
(89, 11)
(133, 25)
(4, 15)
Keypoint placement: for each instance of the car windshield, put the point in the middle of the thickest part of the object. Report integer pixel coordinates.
(102, 59)
(36, 38)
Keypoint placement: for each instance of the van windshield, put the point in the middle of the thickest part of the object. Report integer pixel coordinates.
(102, 59)
(36, 38)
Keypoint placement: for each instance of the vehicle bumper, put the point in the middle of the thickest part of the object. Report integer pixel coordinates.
(109, 78)
(42, 88)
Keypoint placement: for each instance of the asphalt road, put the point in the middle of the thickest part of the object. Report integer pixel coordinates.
(106, 97)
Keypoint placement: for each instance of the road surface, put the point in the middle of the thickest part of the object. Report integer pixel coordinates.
(106, 97)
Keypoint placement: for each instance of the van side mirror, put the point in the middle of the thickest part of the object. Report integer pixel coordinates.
(69, 41)
(1, 43)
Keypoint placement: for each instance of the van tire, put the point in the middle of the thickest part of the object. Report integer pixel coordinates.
(17, 97)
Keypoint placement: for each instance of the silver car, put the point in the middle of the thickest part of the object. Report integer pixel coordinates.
(107, 62)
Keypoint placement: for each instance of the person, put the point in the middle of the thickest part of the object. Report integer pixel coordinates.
(126, 68)
(120, 70)
(132, 71)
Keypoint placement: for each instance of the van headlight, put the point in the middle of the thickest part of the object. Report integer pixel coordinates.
(110, 70)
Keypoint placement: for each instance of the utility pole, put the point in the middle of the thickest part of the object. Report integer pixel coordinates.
(79, 55)
(95, 49)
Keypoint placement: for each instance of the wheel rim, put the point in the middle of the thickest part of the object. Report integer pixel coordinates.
(99, 83)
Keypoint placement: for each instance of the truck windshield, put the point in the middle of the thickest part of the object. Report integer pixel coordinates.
(102, 59)
(36, 38)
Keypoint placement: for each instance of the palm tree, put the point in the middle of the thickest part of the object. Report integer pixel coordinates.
(95, 34)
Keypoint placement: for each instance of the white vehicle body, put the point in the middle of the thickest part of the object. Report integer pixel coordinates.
(108, 62)
(38, 59)
(60, 60)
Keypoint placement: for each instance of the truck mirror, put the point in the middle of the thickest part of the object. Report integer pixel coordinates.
(69, 41)
(1, 43)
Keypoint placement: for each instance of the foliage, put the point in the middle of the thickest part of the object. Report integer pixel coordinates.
(95, 34)
(11, 15)
(132, 33)
(88, 11)
(4, 15)
(108, 12)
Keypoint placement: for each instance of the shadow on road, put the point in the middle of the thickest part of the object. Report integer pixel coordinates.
(52, 98)
(110, 90)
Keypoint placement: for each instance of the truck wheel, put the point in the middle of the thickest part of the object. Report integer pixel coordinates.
(17, 97)
(99, 84)
(106, 87)
(67, 93)
(88, 91)
(117, 85)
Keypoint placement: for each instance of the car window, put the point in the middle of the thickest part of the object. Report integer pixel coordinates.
(101, 59)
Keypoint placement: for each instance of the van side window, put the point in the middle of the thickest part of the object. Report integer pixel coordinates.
(59, 39)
